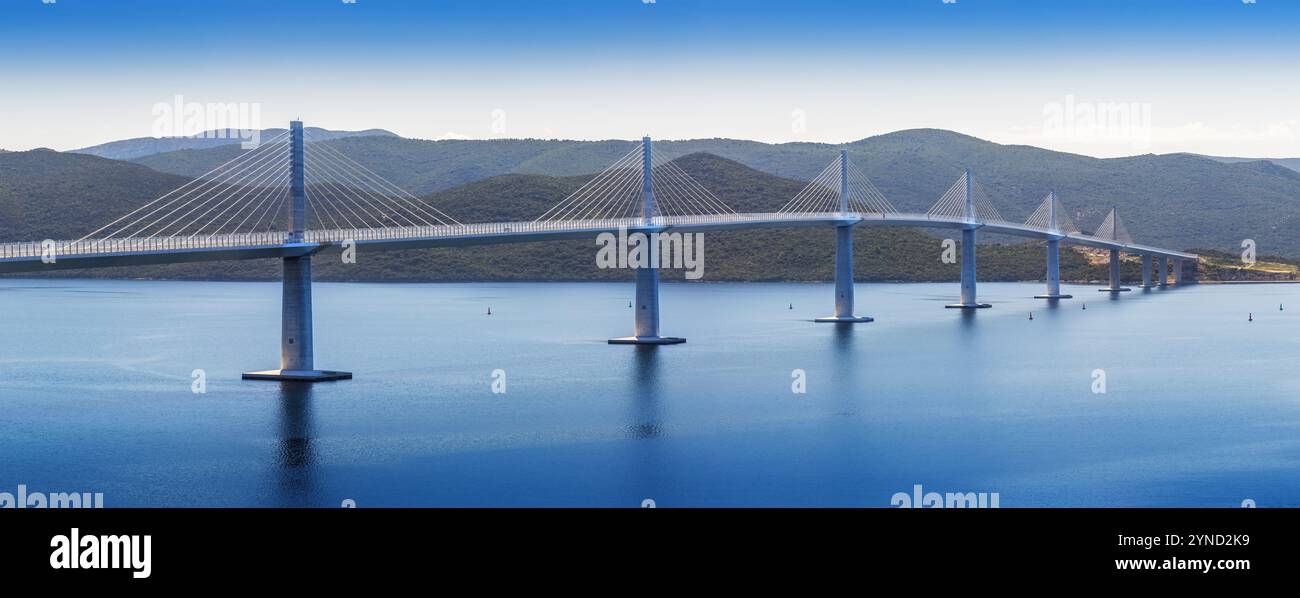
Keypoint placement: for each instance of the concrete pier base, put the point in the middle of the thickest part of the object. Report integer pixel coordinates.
(845, 319)
(647, 340)
(298, 375)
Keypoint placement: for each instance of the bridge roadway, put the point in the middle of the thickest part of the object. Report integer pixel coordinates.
(63, 255)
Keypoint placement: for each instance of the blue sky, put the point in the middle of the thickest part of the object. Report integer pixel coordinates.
(1211, 76)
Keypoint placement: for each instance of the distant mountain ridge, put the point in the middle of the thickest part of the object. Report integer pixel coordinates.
(128, 149)
(1291, 163)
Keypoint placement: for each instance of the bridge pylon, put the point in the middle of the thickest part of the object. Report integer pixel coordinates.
(844, 256)
(1112, 228)
(646, 325)
(1053, 223)
(968, 240)
(296, 345)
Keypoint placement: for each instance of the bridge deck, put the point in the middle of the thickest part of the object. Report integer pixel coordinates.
(92, 253)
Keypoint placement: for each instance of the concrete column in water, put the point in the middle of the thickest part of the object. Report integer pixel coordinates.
(1115, 286)
(844, 255)
(1178, 271)
(968, 297)
(297, 359)
(1163, 276)
(646, 326)
(1053, 256)
(1146, 271)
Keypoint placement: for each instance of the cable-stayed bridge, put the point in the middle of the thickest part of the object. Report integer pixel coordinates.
(282, 201)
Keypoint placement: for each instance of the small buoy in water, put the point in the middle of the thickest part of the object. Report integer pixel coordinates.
(791, 306)
(1031, 315)
(489, 310)
(1279, 307)
(1250, 317)
(1085, 306)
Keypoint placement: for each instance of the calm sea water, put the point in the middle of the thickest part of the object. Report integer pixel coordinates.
(1201, 406)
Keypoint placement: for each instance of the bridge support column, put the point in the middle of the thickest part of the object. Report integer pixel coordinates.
(844, 279)
(968, 300)
(844, 257)
(1178, 271)
(1146, 271)
(646, 330)
(1053, 272)
(297, 359)
(1163, 274)
(1115, 286)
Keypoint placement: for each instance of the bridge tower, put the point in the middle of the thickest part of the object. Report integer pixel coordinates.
(646, 329)
(1053, 253)
(1115, 285)
(968, 300)
(296, 346)
(1146, 271)
(844, 255)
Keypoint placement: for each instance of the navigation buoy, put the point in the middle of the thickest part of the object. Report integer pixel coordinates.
(791, 306)
(1085, 306)
(1279, 307)
(1250, 317)
(1031, 315)
(629, 304)
(489, 310)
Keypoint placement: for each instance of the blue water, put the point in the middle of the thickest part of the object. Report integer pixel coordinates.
(1201, 407)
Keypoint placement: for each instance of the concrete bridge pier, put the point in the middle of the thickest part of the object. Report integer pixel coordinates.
(844, 279)
(1053, 272)
(1115, 286)
(968, 300)
(297, 358)
(1146, 271)
(646, 329)
(844, 257)
(1182, 273)
(1163, 273)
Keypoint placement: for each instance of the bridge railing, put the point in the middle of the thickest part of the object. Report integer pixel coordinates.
(55, 248)
(276, 238)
